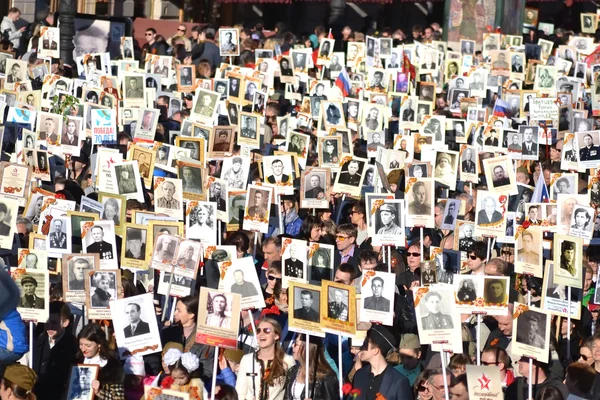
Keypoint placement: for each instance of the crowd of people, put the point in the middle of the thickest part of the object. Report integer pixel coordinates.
(378, 168)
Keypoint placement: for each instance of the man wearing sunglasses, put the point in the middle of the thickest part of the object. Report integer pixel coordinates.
(180, 35)
(345, 241)
(476, 258)
(498, 357)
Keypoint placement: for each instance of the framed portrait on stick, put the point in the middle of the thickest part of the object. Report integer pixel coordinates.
(568, 267)
(437, 317)
(133, 248)
(101, 288)
(75, 268)
(377, 297)
(34, 287)
(239, 276)
(136, 329)
(218, 318)
(338, 309)
(306, 301)
(531, 332)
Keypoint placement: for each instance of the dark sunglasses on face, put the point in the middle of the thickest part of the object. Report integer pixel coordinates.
(473, 257)
(272, 278)
(265, 330)
(409, 254)
(585, 358)
(488, 363)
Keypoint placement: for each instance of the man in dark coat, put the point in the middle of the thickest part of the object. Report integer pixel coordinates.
(377, 376)
(54, 353)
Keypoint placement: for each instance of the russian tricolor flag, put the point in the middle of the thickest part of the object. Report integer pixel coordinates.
(343, 82)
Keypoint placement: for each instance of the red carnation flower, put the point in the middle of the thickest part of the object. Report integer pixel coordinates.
(526, 224)
(346, 389)
(167, 382)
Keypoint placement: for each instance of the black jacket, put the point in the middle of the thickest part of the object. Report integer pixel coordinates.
(53, 366)
(394, 385)
(324, 389)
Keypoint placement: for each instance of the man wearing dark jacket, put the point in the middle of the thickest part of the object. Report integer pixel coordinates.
(542, 376)
(378, 376)
(207, 50)
(53, 354)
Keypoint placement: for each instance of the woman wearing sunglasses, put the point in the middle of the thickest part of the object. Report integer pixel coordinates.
(262, 374)
(322, 381)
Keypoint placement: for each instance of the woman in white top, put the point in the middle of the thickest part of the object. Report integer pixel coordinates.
(261, 375)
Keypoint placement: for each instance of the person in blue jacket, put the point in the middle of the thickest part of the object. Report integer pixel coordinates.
(13, 332)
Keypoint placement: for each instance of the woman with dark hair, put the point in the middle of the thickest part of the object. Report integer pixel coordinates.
(241, 242)
(311, 229)
(183, 331)
(94, 349)
(581, 219)
(322, 381)
(262, 374)
(92, 97)
(225, 392)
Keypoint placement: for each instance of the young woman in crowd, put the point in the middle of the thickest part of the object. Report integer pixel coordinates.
(262, 374)
(94, 349)
(322, 380)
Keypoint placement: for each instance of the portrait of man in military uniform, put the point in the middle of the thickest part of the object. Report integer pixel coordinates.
(377, 302)
(99, 245)
(434, 319)
(294, 268)
(428, 274)
(258, 208)
(390, 220)
(351, 173)
(466, 237)
(529, 326)
(337, 307)
(57, 236)
(420, 204)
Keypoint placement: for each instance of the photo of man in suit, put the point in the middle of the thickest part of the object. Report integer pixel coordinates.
(50, 132)
(377, 302)
(135, 248)
(489, 215)
(316, 191)
(408, 113)
(79, 268)
(136, 326)
(350, 176)
(499, 177)
(215, 195)
(530, 147)
(15, 74)
(70, 137)
(49, 43)
(278, 175)
(306, 312)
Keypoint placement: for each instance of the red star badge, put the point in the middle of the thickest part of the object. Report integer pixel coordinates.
(484, 382)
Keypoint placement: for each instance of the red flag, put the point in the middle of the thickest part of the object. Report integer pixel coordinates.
(593, 58)
(330, 35)
(407, 67)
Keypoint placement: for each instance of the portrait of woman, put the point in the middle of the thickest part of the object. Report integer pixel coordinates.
(111, 211)
(581, 221)
(467, 292)
(103, 293)
(37, 209)
(320, 265)
(190, 183)
(107, 102)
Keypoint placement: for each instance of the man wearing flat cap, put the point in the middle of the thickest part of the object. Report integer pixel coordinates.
(376, 375)
(528, 327)
(30, 299)
(387, 213)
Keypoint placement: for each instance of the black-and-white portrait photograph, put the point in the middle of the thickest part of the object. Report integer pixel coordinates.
(222, 140)
(103, 288)
(241, 278)
(388, 221)
(16, 71)
(428, 273)
(206, 104)
(248, 125)
(299, 60)
(135, 325)
(229, 42)
(582, 222)
(450, 214)
(320, 264)
(417, 170)
(164, 249)
(219, 310)
(467, 47)
(377, 293)
(80, 382)
(467, 289)
(77, 268)
(126, 180)
(337, 303)
(134, 87)
(186, 75)
(33, 286)
(59, 236)
(217, 192)
(187, 258)
(235, 172)
(100, 239)
(351, 173)
(307, 304)
(530, 329)
(135, 243)
(168, 197)
(434, 310)
(201, 222)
